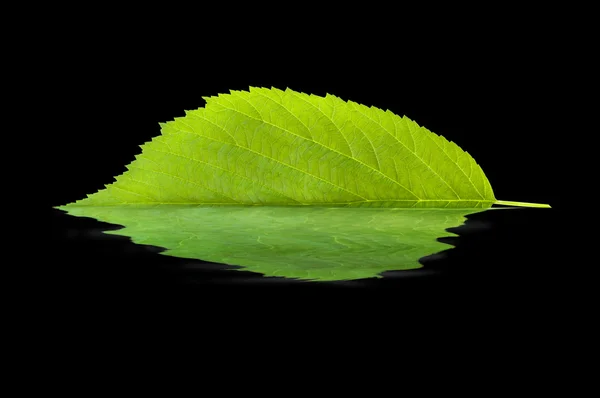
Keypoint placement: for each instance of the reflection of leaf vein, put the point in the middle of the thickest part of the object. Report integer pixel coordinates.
(263, 243)
(335, 238)
(180, 243)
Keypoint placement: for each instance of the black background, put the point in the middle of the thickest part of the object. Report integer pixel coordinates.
(503, 88)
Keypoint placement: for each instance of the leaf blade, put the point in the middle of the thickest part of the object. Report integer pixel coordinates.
(275, 147)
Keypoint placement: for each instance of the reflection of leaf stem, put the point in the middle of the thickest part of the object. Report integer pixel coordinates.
(521, 204)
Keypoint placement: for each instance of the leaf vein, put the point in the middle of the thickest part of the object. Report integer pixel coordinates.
(228, 171)
(324, 114)
(275, 160)
(455, 162)
(285, 109)
(414, 153)
(184, 179)
(326, 147)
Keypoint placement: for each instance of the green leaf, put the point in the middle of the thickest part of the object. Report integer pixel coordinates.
(274, 147)
(309, 242)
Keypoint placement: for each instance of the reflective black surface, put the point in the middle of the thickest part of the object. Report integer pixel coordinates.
(502, 256)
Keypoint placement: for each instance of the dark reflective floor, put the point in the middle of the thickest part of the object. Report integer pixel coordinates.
(513, 251)
(511, 287)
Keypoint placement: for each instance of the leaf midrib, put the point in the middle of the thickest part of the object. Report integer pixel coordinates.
(304, 204)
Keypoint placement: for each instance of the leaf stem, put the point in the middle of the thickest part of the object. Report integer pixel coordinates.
(521, 204)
